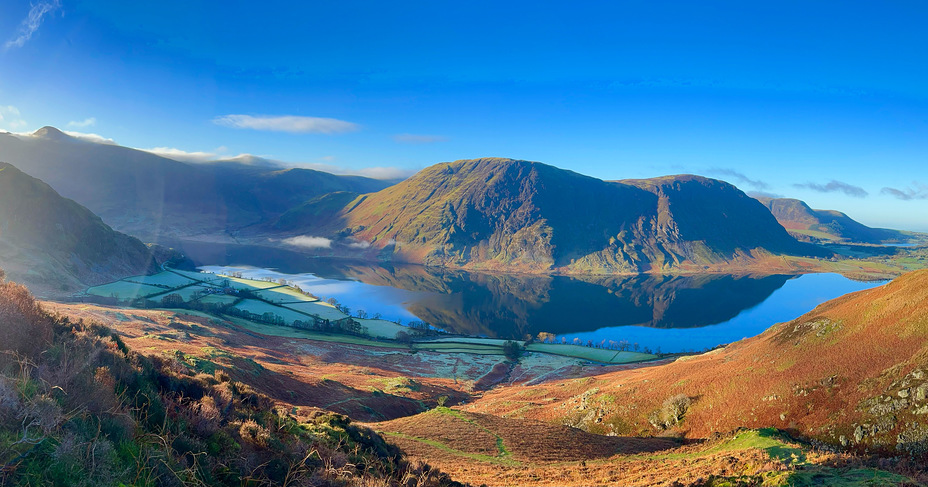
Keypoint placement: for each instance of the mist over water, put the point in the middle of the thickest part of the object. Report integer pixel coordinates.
(673, 313)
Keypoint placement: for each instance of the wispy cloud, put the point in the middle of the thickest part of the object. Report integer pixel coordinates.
(32, 22)
(11, 118)
(287, 123)
(739, 177)
(835, 187)
(182, 155)
(87, 122)
(385, 173)
(419, 138)
(919, 192)
(308, 242)
(97, 139)
(763, 194)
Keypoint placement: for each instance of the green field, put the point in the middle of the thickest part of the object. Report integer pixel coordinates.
(323, 310)
(381, 328)
(287, 332)
(260, 307)
(589, 353)
(166, 278)
(125, 290)
(198, 276)
(218, 299)
(284, 295)
(184, 292)
(250, 284)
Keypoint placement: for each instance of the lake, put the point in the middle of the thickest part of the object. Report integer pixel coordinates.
(673, 313)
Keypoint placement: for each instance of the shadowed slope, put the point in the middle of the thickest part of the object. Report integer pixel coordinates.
(153, 196)
(797, 217)
(55, 243)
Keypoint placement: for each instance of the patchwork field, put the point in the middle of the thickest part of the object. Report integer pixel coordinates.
(283, 295)
(166, 279)
(125, 290)
(318, 308)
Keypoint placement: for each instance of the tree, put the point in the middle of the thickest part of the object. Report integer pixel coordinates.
(512, 350)
(172, 300)
(361, 314)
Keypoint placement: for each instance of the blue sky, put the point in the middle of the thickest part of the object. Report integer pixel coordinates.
(823, 101)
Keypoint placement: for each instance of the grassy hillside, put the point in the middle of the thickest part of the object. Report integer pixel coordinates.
(517, 215)
(852, 373)
(151, 196)
(797, 217)
(77, 407)
(56, 244)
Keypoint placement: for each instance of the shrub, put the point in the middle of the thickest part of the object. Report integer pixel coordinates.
(671, 413)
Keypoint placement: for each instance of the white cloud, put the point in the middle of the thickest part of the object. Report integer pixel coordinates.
(419, 138)
(309, 242)
(287, 123)
(182, 155)
(87, 122)
(96, 139)
(368, 172)
(32, 22)
(359, 244)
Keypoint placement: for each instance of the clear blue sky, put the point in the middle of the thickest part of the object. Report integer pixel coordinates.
(823, 101)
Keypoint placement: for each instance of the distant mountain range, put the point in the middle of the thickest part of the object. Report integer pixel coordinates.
(154, 197)
(504, 214)
(490, 214)
(827, 225)
(56, 245)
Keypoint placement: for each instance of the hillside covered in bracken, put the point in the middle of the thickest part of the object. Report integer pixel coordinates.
(78, 407)
(852, 373)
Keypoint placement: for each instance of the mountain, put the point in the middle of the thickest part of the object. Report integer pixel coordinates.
(157, 198)
(798, 218)
(56, 244)
(505, 214)
(853, 372)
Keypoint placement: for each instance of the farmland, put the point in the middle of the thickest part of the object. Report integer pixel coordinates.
(271, 308)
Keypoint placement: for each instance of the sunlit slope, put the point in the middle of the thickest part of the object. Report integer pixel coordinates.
(519, 215)
(55, 243)
(852, 372)
(796, 216)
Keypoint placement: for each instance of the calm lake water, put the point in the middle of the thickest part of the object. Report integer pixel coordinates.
(675, 313)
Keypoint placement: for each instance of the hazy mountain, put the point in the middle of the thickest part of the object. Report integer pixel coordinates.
(797, 217)
(155, 197)
(516, 215)
(55, 244)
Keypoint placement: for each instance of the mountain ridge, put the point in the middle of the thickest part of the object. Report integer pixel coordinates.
(156, 197)
(800, 219)
(505, 214)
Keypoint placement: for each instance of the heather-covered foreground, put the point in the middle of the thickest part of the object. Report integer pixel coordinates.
(851, 376)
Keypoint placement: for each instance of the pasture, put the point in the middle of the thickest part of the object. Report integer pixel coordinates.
(165, 279)
(381, 328)
(125, 290)
(317, 308)
(284, 295)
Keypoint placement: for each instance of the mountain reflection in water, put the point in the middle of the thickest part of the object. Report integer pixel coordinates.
(512, 306)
